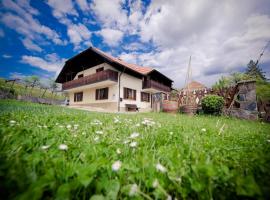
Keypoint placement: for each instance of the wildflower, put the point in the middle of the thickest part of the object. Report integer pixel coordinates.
(96, 138)
(148, 122)
(63, 147)
(137, 125)
(116, 165)
(171, 133)
(83, 133)
(39, 126)
(61, 126)
(155, 183)
(268, 140)
(169, 197)
(45, 126)
(133, 190)
(116, 120)
(126, 141)
(76, 125)
(133, 144)
(68, 126)
(161, 168)
(203, 130)
(134, 135)
(56, 123)
(96, 122)
(12, 122)
(45, 147)
(99, 132)
(118, 151)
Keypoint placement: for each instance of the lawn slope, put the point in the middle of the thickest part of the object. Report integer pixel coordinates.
(52, 152)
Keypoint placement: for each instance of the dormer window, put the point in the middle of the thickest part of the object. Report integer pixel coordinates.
(80, 75)
(100, 69)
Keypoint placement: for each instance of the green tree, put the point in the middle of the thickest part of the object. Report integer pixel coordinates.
(254, 71)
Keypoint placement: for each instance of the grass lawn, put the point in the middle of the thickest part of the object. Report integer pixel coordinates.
(51, 152)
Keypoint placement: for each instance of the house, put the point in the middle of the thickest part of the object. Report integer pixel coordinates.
(96, 79)
(194, 86)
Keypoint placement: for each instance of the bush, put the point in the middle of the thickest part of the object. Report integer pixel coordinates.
(212, 104)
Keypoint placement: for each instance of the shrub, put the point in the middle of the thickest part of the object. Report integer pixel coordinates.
(212, 104)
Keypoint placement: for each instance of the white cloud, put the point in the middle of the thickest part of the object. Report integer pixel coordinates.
(6, 56)
(83, 4)
(110, 13)
(30, 45)
(111, 37)
(24, 23)
(51, 63)
(62, 8)
(78, 33)
(220, 37)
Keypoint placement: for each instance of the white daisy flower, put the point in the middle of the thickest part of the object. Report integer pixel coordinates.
(12, 121)
(45, 126)
(45, 147)
(268, 140)
(138, 125)
(133, 190)
(169, 197)
(134, 135)
(96, 122)
(99, 132)
(171, 133)
(83, 133)
(56, 123)
(161, 168)
(63, 147)
(118, 151)
(155, 183)
(203, 130)
(68, 126)
(126, 141)
(39, 126)
(96, 138)
(133, 144)
(61, 126)
(116, 165)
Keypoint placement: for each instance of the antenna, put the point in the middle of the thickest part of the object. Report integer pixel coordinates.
(260, 56)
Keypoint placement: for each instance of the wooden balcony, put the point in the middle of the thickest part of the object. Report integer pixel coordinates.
(90, 79)
(148, 84)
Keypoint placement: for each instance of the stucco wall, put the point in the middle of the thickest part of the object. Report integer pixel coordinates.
(135, 84)
(126, 81)
(93, 70)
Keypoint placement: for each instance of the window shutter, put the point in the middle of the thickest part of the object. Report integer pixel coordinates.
(106, 95)
(125, 93)
(134, 94)
(97, 91)
(74, 97)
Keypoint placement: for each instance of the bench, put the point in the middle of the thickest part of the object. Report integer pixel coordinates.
(131, 107)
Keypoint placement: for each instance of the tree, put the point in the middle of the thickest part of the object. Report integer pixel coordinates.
(254, 71)
(35, 81)
(53, 85)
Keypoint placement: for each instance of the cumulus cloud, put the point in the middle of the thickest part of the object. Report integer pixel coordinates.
(51, 62)
(83, 4)
(30, 45)
(111, 37)
(62, 8)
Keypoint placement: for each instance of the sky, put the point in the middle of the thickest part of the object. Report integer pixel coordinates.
(37, 37)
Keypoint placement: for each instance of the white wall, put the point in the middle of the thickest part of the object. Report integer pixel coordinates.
(93, 70)
(135, 84)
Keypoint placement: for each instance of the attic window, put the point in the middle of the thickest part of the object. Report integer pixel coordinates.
(100, 69)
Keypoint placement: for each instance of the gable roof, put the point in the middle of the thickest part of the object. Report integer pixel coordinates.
(195, 85)
(140, 69)
(116, 62)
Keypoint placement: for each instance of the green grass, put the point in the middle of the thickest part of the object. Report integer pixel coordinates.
(232, 162)
(19, 89)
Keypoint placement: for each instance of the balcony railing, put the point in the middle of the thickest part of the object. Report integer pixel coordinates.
(155, 85)
(90, 79)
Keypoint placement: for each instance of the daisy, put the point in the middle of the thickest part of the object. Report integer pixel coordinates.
(45, 147)
(203, 130)
(68, 126)
(161, 168)
(63, 147)
(134, 135)
(12, 122)
(155, 183)
(133, 144)
(171, 133)
(99, 132)
(116, 165)
(96, 138)
(118, 151)
(268, 140)
(133, 190)
(126, 141)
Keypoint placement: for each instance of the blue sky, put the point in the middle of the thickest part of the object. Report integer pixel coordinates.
(222, 36)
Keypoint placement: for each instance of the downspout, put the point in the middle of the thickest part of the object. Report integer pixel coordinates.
(119, 81)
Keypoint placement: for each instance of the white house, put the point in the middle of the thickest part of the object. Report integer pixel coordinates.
(94, 78)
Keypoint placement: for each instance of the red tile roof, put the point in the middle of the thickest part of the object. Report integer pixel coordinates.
(137, 68)
(195, 85)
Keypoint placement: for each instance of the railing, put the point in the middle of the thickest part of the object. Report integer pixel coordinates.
(90, 79)
(155, 85)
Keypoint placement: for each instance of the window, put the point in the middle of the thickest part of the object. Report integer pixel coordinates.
(145, 97)
(129, 94)
(100, 69)
(78, 96)
(102, 93)
(80, 75)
